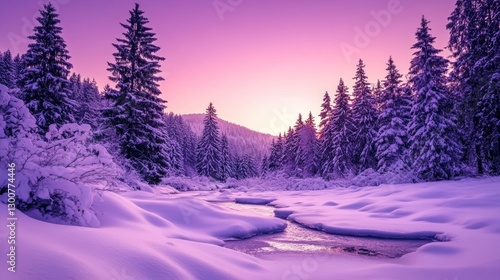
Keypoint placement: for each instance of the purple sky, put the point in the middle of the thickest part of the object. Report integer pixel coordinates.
(260, 61)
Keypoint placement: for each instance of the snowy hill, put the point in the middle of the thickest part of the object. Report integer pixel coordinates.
(241, 139)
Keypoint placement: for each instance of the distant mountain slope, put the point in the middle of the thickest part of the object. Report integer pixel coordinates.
(241, 139)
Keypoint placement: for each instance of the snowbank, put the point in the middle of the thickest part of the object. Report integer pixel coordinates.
(151, 236)
(141, 236)
(464, 213)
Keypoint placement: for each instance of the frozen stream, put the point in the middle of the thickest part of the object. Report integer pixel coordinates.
(299, 239)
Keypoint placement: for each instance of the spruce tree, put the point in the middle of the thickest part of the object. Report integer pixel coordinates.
(225, 159)
(324, 115)
(288, 148)
(296, 157)
(433, 148)
(364, 115)
(342, 129)
(377, 95)
(308, 145)
(136, 111)
(89, 100)
(275, 160)
(391, 141)
(264, 167)
(18, 68)
(43, 82)
(489, 105)
(208, 152)
(473, 26)
(7, 70)
(322, 153)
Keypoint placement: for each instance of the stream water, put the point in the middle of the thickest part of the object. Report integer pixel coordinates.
(299, 239)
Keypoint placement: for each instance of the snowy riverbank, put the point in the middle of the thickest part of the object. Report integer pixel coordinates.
(179, 236)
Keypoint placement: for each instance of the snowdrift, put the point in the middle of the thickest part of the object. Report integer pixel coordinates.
(141, 237)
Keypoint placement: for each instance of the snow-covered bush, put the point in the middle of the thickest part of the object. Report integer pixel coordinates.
(198, 183)
(55, 179)
(370, 177)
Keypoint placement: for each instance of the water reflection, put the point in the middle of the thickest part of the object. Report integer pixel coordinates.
(299, 239)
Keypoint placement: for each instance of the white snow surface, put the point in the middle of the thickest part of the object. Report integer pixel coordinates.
(179, 236)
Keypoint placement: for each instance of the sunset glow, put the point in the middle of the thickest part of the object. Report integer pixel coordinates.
(260, 62)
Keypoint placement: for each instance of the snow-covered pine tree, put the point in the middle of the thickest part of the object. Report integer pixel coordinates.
(391, 141)
(308, 145)
(275, 160)
(18, 68)
(297, 156)
(244, 167)
(364, 117)
(272, 161)
(289, 150)
(89, 100)
(185, 138)
(341, 129)
(434, 150)
(264, 167)
(287, 139)
(324, 115)
(136, 111)
(321, 157)
(473, 25)
(7, 70)
(208, 157)
(377, 95)
(43, 82)
(489, 105)
(225, 170)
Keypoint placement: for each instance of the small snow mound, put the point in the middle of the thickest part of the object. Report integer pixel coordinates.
(356, 205)
(439, 249)
(283, 213)
(254, 200)
(434, 219)
(330, 203)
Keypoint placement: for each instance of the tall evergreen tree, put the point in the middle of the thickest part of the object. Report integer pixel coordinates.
(296, 157)
(244, 167)
(7, 70)
(337, 146)
(364, 115)
(489, 104)
(275, 160)
(185, 139)
(18, 68)
(89, 100)
(489, 124)
(433, 147)
(208, 152)
(377, 95)
(308, 146)
(264, 167)
(44, 84)
(136, 111)
(225, 159)
(391, 141)
(289, 150)
(473, 26)
(324, 115)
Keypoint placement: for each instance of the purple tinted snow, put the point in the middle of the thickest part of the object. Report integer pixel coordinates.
(254, 200)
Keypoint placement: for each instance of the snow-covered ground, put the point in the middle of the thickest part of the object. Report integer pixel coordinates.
(179, 236)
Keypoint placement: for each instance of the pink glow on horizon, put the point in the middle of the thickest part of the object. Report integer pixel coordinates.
(262, 65)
